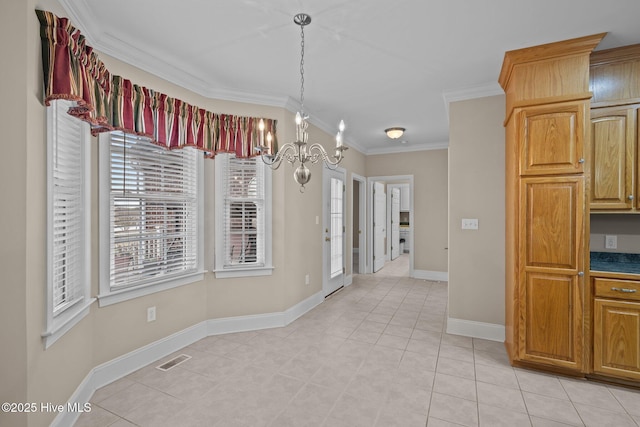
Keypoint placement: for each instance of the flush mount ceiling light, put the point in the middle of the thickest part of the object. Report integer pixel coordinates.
(395, 132)
(298, 151)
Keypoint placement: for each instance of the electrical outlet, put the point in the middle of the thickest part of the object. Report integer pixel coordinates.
(611, 242)
(306, 279)
(151, 314)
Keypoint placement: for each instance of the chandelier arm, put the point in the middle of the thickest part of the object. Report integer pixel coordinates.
(284, 153)
(316, 151)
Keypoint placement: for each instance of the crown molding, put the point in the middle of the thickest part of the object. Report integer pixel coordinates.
(80, 14)
(491, 89)
(402, 148)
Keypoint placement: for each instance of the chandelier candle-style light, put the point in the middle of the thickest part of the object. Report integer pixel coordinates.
(299, 151)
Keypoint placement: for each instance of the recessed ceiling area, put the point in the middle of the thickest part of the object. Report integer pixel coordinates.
(374, 63)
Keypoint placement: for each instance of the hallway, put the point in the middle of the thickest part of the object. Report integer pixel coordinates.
(373, 354)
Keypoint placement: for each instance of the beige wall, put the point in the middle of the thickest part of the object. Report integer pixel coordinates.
(625, 226)
(476, 190)
(429, 170)
(14, 26)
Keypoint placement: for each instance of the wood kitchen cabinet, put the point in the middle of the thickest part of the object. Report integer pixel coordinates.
(547, 128)
(551, 295)
(614, 79)
(616, 331)
(614, 140)
(572, 144)
(552, 138)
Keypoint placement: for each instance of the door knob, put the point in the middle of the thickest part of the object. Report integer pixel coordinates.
(327, 239)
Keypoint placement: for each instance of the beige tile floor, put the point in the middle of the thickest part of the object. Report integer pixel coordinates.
(374, 354)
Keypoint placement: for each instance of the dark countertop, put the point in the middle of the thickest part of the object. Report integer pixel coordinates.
(615, 262)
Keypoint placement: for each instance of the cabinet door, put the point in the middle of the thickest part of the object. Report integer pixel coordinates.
(612, 158)
(552, 139)
(405, 202)
(552, 263)
(616, 338)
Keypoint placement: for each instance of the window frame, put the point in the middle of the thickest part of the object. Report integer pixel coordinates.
(60, 322)
(222, 271)
(109, 295)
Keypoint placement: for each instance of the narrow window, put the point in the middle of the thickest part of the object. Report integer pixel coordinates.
(68, 219)
(243, 217)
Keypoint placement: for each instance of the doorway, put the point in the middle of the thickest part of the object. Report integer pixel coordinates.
(333, 202)
(387, 183)
(379, 225)
(358, 210)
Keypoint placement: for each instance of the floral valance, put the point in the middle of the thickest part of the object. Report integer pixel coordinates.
(72, 71)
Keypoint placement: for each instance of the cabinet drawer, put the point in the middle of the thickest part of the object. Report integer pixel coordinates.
(613, 288)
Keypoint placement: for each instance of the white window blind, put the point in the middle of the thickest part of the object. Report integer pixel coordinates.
(153, 212)
(68, 219)
(67, 232)
(243, 217)
(244, 212)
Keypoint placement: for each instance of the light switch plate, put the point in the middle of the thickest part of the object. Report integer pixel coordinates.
(151, 314)
(610, 242)
(469, 223)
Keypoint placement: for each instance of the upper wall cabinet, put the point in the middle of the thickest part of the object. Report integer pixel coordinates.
(613, 147)
(405, 200)
(615, 83)
(613, 76)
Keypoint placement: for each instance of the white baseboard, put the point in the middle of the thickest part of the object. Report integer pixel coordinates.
(469, 328)
(121, 366)
(438, 276)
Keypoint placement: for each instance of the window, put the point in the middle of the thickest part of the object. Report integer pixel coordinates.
(68, 221)
(151, 217)
(243, 217)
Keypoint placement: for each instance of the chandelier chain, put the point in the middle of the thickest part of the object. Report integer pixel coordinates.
(299, 151)
(302, 68)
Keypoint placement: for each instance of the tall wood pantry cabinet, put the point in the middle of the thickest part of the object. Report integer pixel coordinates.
(547, 132)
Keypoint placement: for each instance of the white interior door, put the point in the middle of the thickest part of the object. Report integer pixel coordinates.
(334, 229)
(379, 224)
(395, 222)
(358, 208)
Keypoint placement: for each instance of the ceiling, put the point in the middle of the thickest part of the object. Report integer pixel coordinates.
(373, 63)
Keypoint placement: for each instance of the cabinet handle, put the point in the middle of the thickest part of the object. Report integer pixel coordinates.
(630, 197)
(581, 161)
(625, 290)
(580, 273)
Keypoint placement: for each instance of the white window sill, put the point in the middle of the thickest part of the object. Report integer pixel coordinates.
(243, 272)
(66, 322)
(126, 294)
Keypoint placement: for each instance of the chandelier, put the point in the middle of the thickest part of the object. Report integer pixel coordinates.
(299, 151)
